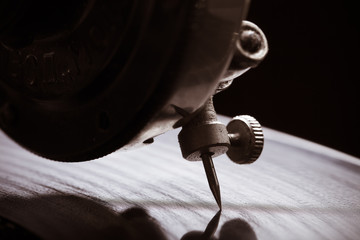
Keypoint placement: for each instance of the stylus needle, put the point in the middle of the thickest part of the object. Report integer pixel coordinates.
(211, 177)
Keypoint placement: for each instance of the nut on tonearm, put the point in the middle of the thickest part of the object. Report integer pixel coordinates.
(242, 139)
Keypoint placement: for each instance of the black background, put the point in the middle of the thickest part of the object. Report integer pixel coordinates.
(307, 85)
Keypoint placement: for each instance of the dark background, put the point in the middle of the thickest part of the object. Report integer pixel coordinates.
(307, 85)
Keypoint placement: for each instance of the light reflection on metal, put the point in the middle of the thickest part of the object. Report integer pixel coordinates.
(204, 137)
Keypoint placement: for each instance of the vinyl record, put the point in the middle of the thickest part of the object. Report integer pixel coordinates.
(296, 190)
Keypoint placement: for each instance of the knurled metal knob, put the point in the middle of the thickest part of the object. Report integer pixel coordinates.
(246, 138)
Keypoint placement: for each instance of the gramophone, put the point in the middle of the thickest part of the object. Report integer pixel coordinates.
(81, 79)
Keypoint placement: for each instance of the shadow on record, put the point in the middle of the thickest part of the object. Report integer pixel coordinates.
(234, 229)
(75, 217)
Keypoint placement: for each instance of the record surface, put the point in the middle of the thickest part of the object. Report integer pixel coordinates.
(296, 190)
